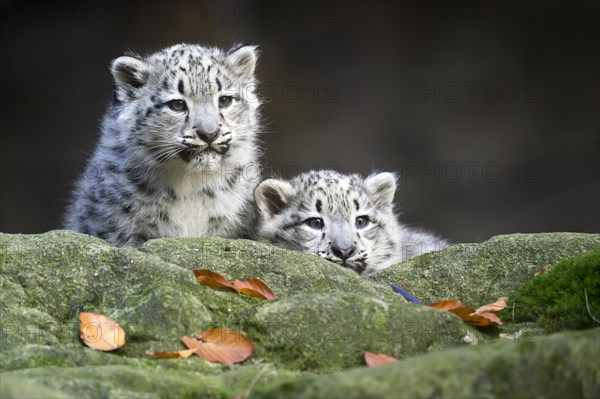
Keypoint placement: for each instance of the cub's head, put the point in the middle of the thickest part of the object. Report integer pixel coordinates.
(345, 219)
(188, 104)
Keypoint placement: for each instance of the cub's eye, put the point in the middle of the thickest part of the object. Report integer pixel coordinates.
(225, 101)
(314, 223)
(362, 222)
(177, 105)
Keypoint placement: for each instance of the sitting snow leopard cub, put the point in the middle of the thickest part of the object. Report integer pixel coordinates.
(174, 145)
(345, 219)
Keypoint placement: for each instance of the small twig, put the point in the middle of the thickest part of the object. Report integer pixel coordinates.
(587, 304)
(513, 311)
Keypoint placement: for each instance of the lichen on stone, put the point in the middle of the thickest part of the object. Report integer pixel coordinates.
(309, 341)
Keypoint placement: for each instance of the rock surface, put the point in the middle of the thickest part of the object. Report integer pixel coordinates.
(559, 366)
(481, 273)
(315, 333)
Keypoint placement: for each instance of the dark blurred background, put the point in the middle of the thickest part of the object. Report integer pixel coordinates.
(488, 110)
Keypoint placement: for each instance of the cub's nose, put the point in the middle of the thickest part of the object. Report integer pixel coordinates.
(343, 253)
(207, 137)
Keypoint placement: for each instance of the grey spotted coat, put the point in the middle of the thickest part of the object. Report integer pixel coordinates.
(178, 154)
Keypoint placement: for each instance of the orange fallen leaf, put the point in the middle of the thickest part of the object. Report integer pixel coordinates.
(466, 313)
(171, 355)
(215, 345)
(221, 345)
(489, 316)
(450, 304)
(375, 359)
(99, 332)
(493, 307)
(253, 286)
(212, 279)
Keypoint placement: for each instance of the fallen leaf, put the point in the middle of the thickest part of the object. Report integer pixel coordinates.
(99, 332)
(542, 271)
(493, 307)
(448, 305)
(253, 286)
(220, 345)
(171, 355)
(466, 313)
(375, 359)
(212, 279)
(215, 345)
(490, 316)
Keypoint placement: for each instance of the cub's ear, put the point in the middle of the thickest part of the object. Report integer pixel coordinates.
(381, 187)
(130, 74)
(273, 196)
(243, 60)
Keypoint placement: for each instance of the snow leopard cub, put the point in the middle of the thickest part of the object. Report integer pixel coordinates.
(179, 148)
(346, 219)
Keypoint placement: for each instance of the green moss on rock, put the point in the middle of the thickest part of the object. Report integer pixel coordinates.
(331, 331)
(21, 388)
(559, 366)
(324, 318)
(131, 381)
(63, 273)
(477, 274)
(286, 272)
(66, 355)
(556, 300)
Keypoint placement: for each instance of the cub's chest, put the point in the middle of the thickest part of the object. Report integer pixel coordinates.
(203, 214)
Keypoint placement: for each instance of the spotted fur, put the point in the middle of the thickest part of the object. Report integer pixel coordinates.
(179, 148)
(346, 219)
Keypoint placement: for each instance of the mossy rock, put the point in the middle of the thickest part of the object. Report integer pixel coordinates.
(332, 331)
(286, 272)
(48, 279)
(324, 318)
(566, 297)
(559, 366)
(477, 274)
(131, 381)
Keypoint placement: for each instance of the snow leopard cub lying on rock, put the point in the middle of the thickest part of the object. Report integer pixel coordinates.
(345, 219)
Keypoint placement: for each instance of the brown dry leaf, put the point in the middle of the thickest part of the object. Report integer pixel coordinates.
(220, 345)
(493, 307)
(448, 305)
(212, 279)
(489, 316)
(481, 320)
(171, 355)
(541, 272)
(216, 345)
(99, 332)
(466, 313)
(253, 286)
(375, 359)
